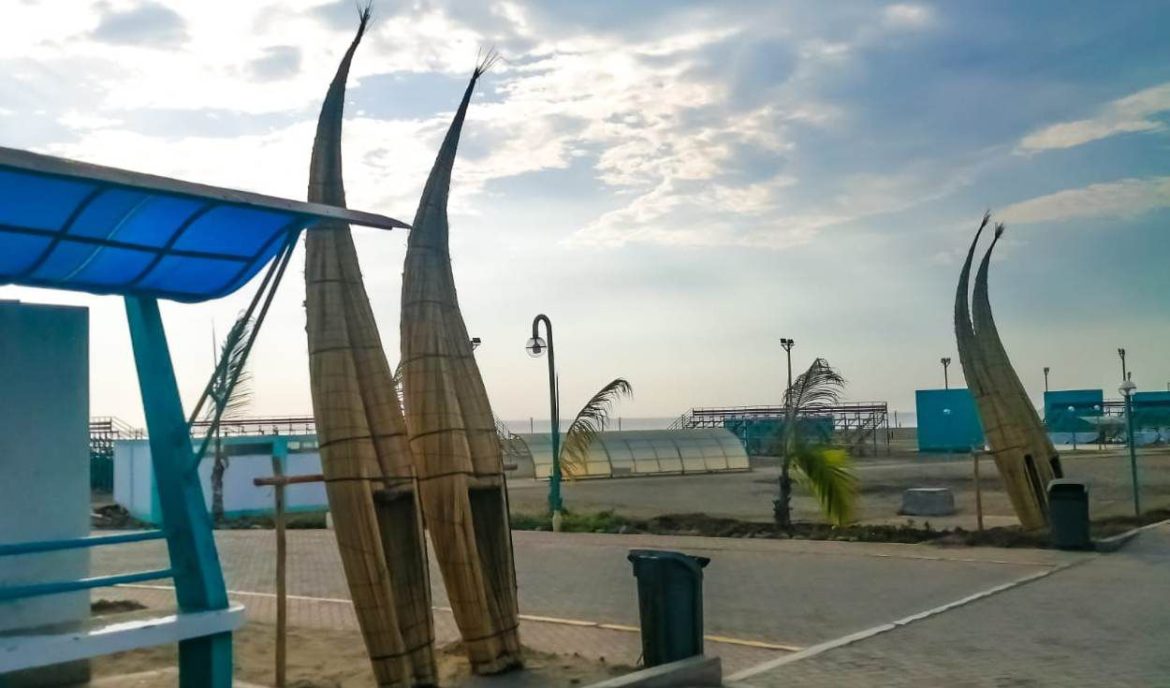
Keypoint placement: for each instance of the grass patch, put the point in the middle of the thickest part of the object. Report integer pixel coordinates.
(598, 522)
(301, 520)
(910, 532)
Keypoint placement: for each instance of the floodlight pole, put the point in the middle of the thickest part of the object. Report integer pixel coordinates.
(555, 505)
(1046, 369)
(946, 362)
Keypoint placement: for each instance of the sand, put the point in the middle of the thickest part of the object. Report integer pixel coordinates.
(319, 658)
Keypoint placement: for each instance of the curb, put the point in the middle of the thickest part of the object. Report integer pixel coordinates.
(693, 672)
(1116, 542)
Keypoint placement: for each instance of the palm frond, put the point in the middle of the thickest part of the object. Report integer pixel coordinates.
(820, 385)
(231, 388)
(590, 420)
(827, 473)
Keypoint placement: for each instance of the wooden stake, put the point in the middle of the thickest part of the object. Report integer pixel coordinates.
(281, 592)
(978, 492)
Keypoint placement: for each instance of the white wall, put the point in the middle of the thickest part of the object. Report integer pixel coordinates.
(134, 479)
(44, 454)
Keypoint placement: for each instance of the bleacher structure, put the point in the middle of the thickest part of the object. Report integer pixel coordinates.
(103, 432)
(860, 426)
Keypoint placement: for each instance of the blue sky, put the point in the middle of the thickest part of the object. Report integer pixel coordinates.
(677, 184)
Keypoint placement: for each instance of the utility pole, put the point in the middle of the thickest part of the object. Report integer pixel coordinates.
(1124, 375)
(1046, 369)
(946, 362)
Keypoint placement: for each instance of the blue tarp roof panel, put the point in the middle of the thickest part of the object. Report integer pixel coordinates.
(68, 225)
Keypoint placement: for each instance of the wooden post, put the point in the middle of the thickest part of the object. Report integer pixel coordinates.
(978, 491)
(281, 592)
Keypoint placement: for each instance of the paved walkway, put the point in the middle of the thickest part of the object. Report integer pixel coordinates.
(764, 598)
(1101, 621)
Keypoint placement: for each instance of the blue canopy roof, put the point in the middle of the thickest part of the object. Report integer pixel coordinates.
(81, 227)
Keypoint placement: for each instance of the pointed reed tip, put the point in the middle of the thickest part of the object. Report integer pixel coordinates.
(364, 12)
(485, 60)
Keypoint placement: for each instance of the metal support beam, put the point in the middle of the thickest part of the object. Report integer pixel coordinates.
(204, 662)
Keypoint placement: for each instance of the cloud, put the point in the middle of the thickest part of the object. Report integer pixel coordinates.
(905, 15)
(1123, 198)
(147, 23)
(278, 62)
(1131, 114)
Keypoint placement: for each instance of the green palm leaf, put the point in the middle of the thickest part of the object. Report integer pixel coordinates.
(590, 420)
(828, 474)
(231, 388)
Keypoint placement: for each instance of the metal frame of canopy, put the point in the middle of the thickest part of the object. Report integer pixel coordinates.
(51, 234)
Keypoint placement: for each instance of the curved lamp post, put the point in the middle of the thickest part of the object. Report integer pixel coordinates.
(536, 347)
(1127, 389)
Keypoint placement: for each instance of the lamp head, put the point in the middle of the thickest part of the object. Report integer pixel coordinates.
(1127, 388)
(535, 346)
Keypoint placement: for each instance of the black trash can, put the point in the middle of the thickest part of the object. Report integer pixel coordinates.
(670, 604)
(1068, 513)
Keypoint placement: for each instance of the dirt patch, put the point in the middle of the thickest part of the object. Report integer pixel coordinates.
(324, 658)
(910, 532)
(102, 607)
(114, 517)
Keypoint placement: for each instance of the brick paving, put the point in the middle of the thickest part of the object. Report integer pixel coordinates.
(1103, 622)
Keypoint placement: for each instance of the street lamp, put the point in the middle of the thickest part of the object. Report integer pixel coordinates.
(1127, 389)
(946, 362)
(1124, 375)
(536, 347)
(1046, 369)
(475, 342)
(1072, 424)
(778, 511)
(787, 344)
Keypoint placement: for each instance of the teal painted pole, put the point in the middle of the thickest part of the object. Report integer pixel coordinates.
(1137, 503)
(555, 505)
(204, 662)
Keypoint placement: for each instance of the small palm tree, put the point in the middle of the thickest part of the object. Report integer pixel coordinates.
(590, 420)
(826, 472)
(228, 395)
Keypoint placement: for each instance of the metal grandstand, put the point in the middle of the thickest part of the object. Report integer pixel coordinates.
(861, 426)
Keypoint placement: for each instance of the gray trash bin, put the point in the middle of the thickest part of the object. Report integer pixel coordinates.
(1068, 512)
(670, 604)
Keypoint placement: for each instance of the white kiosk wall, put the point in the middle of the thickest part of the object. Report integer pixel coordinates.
(44, 454)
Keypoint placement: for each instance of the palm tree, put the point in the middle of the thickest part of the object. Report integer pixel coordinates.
(825, 471)
(590, 420)
(229, 394)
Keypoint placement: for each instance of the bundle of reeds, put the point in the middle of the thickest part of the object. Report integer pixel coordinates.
(452, 431)
(1039, 452)
(1007, 439)
(365, 455)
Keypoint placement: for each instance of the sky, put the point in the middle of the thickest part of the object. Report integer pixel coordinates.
(677, 185)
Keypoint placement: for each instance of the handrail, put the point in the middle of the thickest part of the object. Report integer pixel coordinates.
(17, 592)
(15, 548)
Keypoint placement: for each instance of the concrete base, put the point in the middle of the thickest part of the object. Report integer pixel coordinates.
(928, 501)
(694, 672)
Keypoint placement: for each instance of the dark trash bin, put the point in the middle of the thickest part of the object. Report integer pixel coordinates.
(1068, 513)
(670, 604)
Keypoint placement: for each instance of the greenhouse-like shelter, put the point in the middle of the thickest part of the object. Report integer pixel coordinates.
(74, 226)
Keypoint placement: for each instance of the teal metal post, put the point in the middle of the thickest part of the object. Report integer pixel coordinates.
(204, 662)
(555, 505)
(1137, 503)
